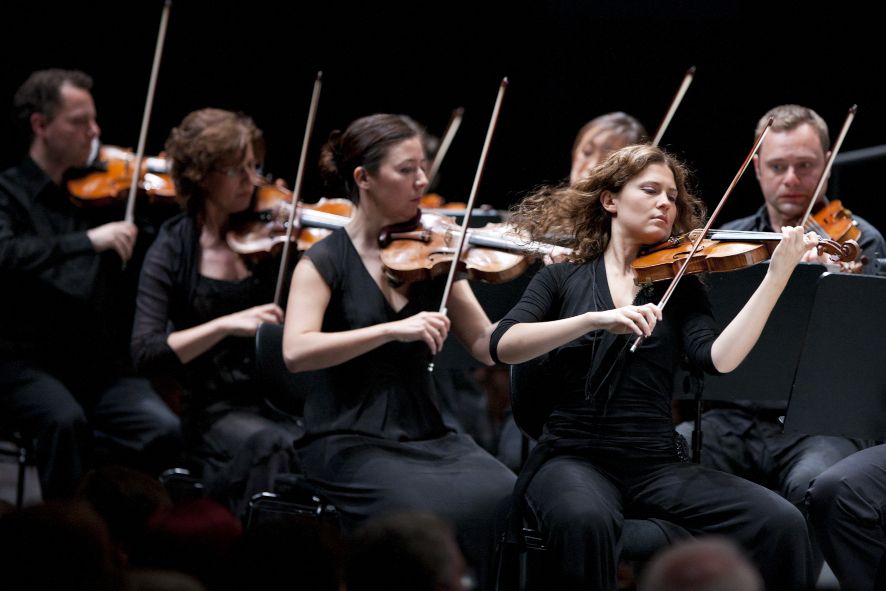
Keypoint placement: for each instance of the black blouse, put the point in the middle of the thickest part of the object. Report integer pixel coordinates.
(173, 296)
(604, 393)
(387, 392)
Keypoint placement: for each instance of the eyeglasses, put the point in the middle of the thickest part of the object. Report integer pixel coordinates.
(250, 169)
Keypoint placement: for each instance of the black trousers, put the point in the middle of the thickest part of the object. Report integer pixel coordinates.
(752, 446)
(847, 512)
(64, 417)
(580, 507)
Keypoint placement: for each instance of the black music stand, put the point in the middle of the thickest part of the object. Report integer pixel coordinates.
(768, 371)
(840, 385)
(772, 361)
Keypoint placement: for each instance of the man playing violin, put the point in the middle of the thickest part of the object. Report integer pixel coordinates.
(746, 439)
(788, 166)
(63, 373)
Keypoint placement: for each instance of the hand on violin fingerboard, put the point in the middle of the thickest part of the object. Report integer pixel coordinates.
(793, 248)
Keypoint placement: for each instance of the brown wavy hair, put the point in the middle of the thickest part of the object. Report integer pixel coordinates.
(573, 216)
(205, 140)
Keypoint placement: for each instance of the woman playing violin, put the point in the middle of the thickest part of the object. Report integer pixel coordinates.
(375, 439)
(609, 447)
(599, 137)
(199, 304)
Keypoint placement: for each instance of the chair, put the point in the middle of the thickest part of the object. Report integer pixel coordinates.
(182, 485)
(284, 391)
(290, 496)
(293, 498)
(14, 444)
(641, 538)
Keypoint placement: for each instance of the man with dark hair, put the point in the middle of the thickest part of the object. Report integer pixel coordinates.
(63, 367)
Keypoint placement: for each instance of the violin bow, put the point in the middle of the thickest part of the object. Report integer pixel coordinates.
(850, 116)
(470, 205)
(296, 190)
(703, 234)
(448, 136)
(678, 98)
(146, 116)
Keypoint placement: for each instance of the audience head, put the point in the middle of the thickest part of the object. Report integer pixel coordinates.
(272, 550)
(195, 537)
(57, 545)
(125, 498)
(702, 564)
(408, 551)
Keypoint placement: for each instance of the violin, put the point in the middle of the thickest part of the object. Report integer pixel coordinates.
(111, 175)
(721, 250)
(834, 221)
(424, 248)
(263, 230)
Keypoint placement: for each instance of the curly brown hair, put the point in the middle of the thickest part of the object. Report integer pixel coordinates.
(205, 140)
(573, 216)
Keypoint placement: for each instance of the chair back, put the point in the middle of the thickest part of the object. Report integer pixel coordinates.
(533, 394)
(284, 390)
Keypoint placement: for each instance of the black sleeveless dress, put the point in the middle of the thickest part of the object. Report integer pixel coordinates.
(375, 440)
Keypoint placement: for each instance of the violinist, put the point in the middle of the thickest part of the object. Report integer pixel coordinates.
(599, 137)
(64, 371)
(596, 139)
(746, 438)
(609, 447)
(376, 441)
(199, 303)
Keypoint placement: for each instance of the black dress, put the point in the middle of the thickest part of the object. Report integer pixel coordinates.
(609, 446)
(375, 440)
(230, 429)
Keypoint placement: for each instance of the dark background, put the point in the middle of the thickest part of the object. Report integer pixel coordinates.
(567, 61)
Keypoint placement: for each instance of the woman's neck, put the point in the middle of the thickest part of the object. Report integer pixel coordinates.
(214, 222)
(620, 253)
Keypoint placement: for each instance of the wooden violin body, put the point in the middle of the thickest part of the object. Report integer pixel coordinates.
(723, 251)
(110, 180)
(265, 230)
(836, 221)
(492, 254)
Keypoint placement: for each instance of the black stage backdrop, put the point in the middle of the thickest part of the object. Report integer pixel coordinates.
(567, 61)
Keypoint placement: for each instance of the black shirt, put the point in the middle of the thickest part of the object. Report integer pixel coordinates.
(609, 396)
(58, 304)
(173, 296)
